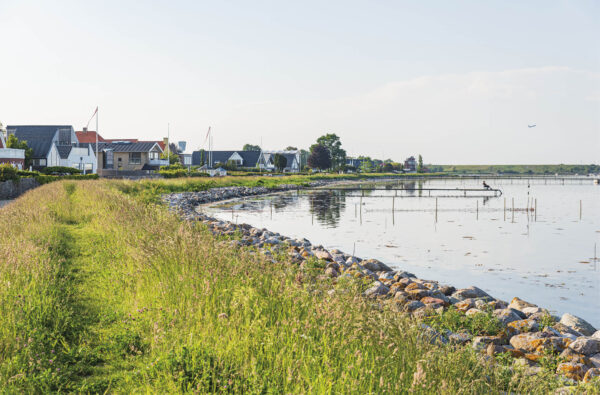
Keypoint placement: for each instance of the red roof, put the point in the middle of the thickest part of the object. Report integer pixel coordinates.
(88, 137)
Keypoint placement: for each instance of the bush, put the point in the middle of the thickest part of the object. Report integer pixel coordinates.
(7, 172)
(45, 179)
(26, 173)
(60, 170)
(181, 173)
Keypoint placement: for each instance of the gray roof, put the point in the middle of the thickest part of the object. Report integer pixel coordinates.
(125, 147)
(38, 137)
(64, 151)
(250, 157)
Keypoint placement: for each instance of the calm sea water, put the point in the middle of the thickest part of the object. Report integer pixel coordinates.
(545, 257)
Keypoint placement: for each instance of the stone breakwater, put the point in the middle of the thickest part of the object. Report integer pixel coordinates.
(529, 332)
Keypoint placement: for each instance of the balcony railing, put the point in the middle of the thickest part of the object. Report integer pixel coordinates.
(158, 162)
(12, 153)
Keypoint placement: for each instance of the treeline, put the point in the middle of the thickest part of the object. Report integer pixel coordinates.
(519, 169)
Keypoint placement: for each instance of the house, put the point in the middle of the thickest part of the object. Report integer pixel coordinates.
(410, 165)
(130, 157)
(11, 156)
(293, 160)
(55, 145)
(357, 163)
(218, 172)
(246, 159)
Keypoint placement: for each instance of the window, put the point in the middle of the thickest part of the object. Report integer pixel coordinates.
(109, 159)
(135, 158)
(39, 162)
(154, 155)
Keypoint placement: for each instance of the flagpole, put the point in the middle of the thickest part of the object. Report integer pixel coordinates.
(97, 171)
(169, 143)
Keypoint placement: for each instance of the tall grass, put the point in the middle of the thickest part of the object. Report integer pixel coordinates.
(101, 292)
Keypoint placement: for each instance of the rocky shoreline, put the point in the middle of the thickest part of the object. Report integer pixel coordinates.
(529, 333)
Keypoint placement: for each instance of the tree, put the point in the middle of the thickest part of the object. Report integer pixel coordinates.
(420, 165)
(280, 162)
(14, 142)
(250, 147)
(290, 148)
(319, 157)
(171, 156)
(388, 167)
(333, 144)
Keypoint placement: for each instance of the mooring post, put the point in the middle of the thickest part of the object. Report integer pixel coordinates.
(436, 209)
(477, 209)
(513, 209)
(271, 204)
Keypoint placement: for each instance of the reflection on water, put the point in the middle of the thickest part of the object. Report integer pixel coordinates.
(545, 255)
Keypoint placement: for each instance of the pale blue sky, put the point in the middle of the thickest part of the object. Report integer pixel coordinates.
(457, 81)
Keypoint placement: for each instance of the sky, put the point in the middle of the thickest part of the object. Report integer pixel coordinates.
(455, 81)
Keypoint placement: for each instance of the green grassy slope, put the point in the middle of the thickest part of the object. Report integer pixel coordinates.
(100, 292)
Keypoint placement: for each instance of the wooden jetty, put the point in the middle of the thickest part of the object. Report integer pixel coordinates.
(418, 192)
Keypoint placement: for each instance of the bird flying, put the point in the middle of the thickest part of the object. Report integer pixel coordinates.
(531, 126)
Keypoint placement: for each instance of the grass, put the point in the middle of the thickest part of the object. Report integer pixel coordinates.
(103, 292)
(520, 169)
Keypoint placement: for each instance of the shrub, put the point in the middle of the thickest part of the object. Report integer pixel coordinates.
(60, 170)
(7, 172)
(26, 173)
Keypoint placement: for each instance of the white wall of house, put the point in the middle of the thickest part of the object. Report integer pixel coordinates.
(81, 158)
(53, 158)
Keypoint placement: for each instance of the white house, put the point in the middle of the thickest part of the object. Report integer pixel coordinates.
(265, 161)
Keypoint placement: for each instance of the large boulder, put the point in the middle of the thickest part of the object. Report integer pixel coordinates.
(586, 345)
(591, 374)
(520, 304)
(377, 289)
(324, 255)
(596, 335)
(521, 326)
(595, 360)
(530, 341)
(506, 316)
(579, 324)
(375, 266)
(572, 370)
(470, 292)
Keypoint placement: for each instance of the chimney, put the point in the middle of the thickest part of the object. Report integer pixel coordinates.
(85, 130)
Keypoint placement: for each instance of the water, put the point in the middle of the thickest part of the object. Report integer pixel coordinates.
(546, 257)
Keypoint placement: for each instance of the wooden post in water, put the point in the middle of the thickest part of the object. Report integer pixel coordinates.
(580, 209)
(505, 209)
(513, 209)
(393, 204)
(361, 209)
(477, 209)
(436, 208)
(271, 209)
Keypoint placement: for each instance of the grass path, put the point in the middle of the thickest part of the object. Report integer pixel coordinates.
(101, 292)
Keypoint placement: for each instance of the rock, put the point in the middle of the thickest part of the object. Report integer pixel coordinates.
(578, 324)
(352, 260)
(423, 312)
(480, 342)
(563, 329)
(520, 326)
(591, 374)
(506, 315)
(447, 290)
(331, 272)
(375, 266)
(412, 306)
(519, 304)
(568, 355)
(324, 255)
(401, 297)
(431, 335)
(430, 300)
(376, 289)
(418, 294)
(572, 370)
(596, 335)
(470, 292)
(595, 360)
(528, 311)
(493, 349)
(458, 338)
(586, 345)
(465, 305)
(528, 341)
(472, 312)
(414, 286)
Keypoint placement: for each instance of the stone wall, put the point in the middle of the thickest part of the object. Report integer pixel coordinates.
(11, 190)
